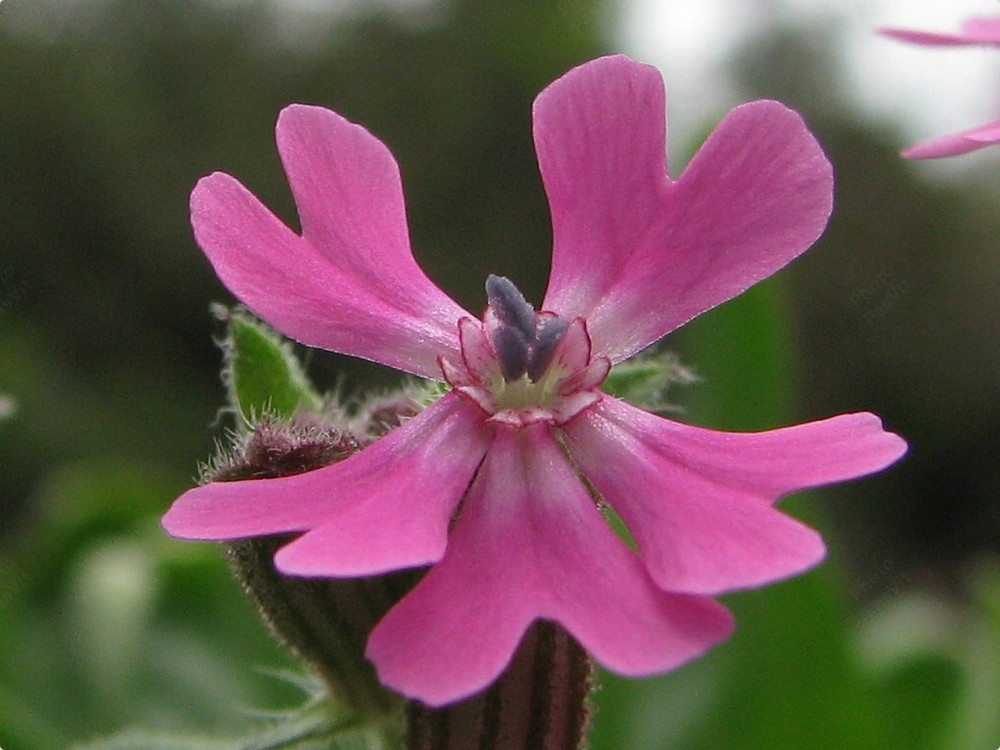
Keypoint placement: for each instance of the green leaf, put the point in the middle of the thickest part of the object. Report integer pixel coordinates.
(261, 371)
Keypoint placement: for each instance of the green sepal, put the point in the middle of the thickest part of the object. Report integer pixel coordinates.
(541, 701)
(261, 372)
(645, 380)
(320, 733)
(317, 724)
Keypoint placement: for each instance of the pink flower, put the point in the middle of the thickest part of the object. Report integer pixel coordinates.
(493, 485)
(974, 31)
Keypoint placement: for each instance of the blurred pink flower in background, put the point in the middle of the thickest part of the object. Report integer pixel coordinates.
(496, 484)
(974, 31)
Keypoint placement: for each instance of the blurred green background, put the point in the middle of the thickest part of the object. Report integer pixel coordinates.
(110, 111)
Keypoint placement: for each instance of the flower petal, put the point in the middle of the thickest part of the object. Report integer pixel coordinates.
(698, 502)
(956, 143)
(637, 254)
(530, 544)
(974, 31)
(350, 283)
(928, 38)
(573, 351)
(477, 352)
(397, 511)
(982, 30)
(384, 508)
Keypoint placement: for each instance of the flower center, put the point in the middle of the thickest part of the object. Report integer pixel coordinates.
(524, 393)
(524, 341)
(522, 367)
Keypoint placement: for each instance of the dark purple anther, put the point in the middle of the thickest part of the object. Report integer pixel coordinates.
(510, 306)
(549, 336)
(512, 351)
(522, 345)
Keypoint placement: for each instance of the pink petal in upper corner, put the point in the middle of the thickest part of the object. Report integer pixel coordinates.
(956, 143)
(927, 38)
(983, 30)
(698, 502)
(350, 284)
(384, 508)
(530, 544)
(974, 31)
(637, 254)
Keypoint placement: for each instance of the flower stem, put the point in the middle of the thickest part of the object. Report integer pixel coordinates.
(539, 703)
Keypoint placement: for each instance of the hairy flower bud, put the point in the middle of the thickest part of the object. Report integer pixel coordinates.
(325, 622)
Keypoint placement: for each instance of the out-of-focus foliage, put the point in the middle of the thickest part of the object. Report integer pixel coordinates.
(109, 113)
(895, 311)
(110, 110)
(104, 621)
(802, 670)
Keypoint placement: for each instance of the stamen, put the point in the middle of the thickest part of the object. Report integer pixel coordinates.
(524, 342)
(512, 351)
(546, 342)
(510, 306)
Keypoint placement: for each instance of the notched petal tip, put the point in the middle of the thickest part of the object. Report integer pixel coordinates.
(604, 73)
(210, 199)
(638, 254)
(223, 511)
(348, 282)
(699, 502)
(388, 507)
(852, 446)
